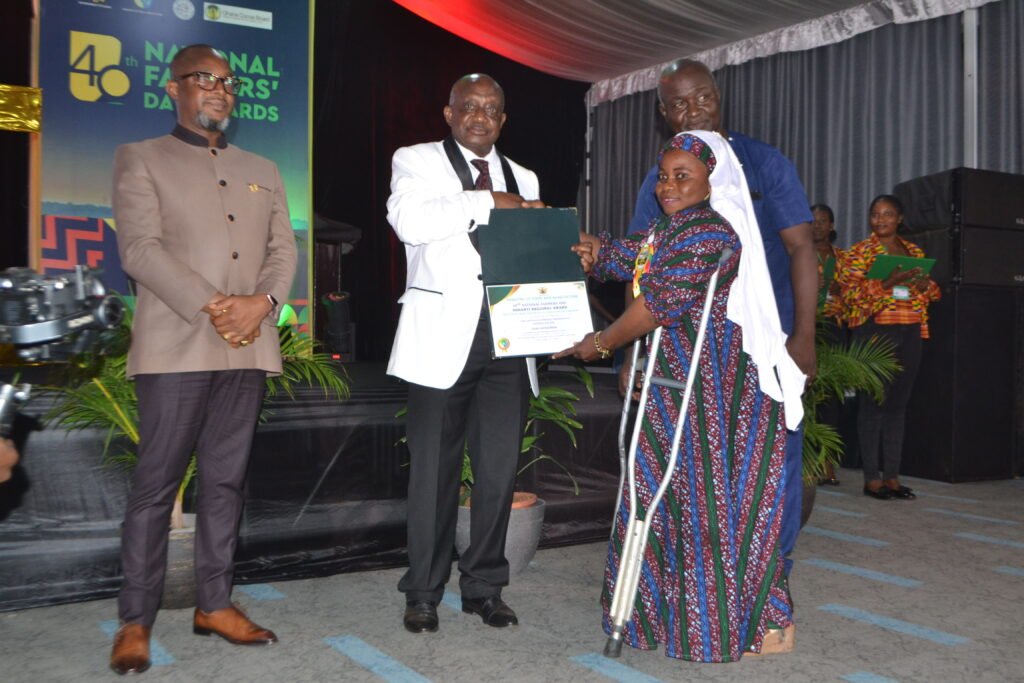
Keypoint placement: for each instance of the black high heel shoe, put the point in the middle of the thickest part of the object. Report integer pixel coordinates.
(884, 493)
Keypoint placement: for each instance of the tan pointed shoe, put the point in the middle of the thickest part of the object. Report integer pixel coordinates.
(232, 625)
(130, 654)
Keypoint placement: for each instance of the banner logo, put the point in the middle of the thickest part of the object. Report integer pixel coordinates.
(239, 16)
(184, 9)
(94, 59)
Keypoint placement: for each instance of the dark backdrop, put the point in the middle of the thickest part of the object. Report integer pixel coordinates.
(381, 79)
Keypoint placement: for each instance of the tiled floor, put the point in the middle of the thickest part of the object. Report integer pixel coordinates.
(926, 590)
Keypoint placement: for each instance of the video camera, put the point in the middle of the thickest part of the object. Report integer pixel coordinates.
(55, 316)
(49, 317)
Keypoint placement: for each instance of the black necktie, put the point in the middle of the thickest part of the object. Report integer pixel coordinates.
(483, 181)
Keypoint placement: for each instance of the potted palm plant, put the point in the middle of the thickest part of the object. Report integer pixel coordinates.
(97, 394)
(857, 366)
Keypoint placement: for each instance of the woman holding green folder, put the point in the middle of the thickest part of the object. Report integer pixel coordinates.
(891, 303)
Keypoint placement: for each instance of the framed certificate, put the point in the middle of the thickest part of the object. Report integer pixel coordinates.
(538, 318)
(536, 290)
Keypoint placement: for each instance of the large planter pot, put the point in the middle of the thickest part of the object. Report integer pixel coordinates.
(807, 504)
(180, 582)
(524, 529)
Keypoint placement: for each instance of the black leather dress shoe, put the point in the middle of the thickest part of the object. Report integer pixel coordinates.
(420, 616)
(831, 481)
(902, 492)
(492, 610)
(883, 493)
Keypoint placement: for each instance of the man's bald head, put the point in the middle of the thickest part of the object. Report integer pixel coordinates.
(204, 108)
(471, 79)
(190, 55)
(685, 66)
(688, 97)
(476, 112)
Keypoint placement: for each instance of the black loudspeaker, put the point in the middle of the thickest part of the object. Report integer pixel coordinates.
(965, 417)
(971, 222)
(332, 240)
(1018, 383)
(341, 331)
(960, 419)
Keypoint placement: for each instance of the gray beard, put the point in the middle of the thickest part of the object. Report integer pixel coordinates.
(206, 123)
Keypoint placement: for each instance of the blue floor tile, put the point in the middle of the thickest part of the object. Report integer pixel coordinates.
(374, 661)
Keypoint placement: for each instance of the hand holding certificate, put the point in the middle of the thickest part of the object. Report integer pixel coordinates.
(536, 290)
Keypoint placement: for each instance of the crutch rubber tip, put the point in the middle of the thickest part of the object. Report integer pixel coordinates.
(613, 648)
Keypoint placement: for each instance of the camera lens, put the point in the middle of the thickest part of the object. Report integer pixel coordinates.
(110, 311)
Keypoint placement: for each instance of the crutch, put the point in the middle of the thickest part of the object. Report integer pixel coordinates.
(635, 542)
(623, 424)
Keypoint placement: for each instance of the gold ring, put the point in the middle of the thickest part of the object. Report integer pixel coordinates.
(227, 337)
(244, 342)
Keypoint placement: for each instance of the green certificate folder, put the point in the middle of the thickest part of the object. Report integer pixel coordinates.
(530, 245)
(536, 289)
(886, 263)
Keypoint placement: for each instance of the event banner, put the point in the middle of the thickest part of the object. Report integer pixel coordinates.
(103, 65)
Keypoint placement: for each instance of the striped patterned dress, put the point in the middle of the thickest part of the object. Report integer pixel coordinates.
(711, 582)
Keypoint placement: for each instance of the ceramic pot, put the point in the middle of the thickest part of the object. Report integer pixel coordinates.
(524, 530)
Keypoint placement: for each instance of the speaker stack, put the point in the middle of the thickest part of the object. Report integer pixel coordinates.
(965, 421)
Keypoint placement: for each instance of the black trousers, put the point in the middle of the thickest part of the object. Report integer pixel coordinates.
(486, 409)
(880, 427)
(214, 414)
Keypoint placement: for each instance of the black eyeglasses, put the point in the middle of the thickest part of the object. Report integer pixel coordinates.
(208, 81)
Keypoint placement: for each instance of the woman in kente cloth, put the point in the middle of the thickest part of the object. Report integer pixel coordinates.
(711, 583)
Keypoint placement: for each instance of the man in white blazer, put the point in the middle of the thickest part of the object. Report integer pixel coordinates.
(440, 193)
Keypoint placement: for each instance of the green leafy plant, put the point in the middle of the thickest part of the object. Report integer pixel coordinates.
(553, 405)
(302, 364)
(857, 366)
(97, 394)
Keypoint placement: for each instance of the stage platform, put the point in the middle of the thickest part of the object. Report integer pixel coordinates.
(325, 492)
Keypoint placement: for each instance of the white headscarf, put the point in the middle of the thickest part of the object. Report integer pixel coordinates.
(752, 298)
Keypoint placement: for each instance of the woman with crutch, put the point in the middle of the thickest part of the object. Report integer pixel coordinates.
(710, 586)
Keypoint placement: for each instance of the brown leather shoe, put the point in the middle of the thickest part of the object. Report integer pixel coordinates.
(131, 649)
(232, 625)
